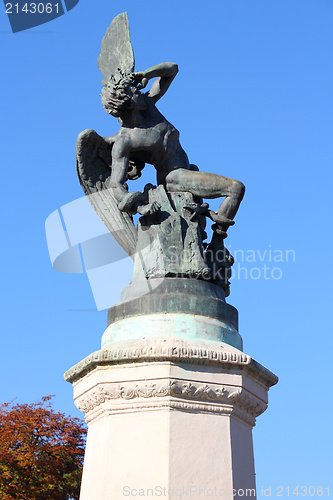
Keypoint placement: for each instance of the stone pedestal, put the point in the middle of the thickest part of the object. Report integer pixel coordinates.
(169, 417)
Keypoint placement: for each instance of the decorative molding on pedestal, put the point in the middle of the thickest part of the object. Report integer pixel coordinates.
(174, 350)
(102, 387)
(180, 394)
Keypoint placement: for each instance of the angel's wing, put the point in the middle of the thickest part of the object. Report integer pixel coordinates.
(116, 50)
(93, 163)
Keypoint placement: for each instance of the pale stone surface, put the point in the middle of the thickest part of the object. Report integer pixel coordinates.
(179, 417)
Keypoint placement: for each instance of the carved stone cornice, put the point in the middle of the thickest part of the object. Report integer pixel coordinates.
(173, 350)
(187, 395)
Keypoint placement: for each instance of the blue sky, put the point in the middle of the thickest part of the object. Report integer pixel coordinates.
(253, 100)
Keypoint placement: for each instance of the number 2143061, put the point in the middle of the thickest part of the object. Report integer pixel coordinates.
(32, 8)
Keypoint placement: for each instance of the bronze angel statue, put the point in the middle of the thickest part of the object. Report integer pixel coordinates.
(104, 164)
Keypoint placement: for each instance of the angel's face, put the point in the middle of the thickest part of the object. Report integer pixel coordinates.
(137, 98)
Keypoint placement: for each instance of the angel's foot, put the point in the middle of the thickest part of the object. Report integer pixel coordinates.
(221, 220)
(221, 225)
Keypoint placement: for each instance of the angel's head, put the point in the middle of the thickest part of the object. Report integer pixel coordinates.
(121, 95)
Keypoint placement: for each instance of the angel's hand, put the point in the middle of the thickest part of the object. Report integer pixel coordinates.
(140, 79)
(149, 209)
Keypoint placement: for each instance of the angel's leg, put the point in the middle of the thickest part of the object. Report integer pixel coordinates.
(206, 185)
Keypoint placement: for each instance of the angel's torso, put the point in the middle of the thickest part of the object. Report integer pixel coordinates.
(154, 140)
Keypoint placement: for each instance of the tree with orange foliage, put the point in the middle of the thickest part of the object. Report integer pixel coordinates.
(41, 452)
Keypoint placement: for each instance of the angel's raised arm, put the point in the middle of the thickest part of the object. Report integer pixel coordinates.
(164, 72)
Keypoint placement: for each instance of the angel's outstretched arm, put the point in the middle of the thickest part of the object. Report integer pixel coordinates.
(165, 72)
